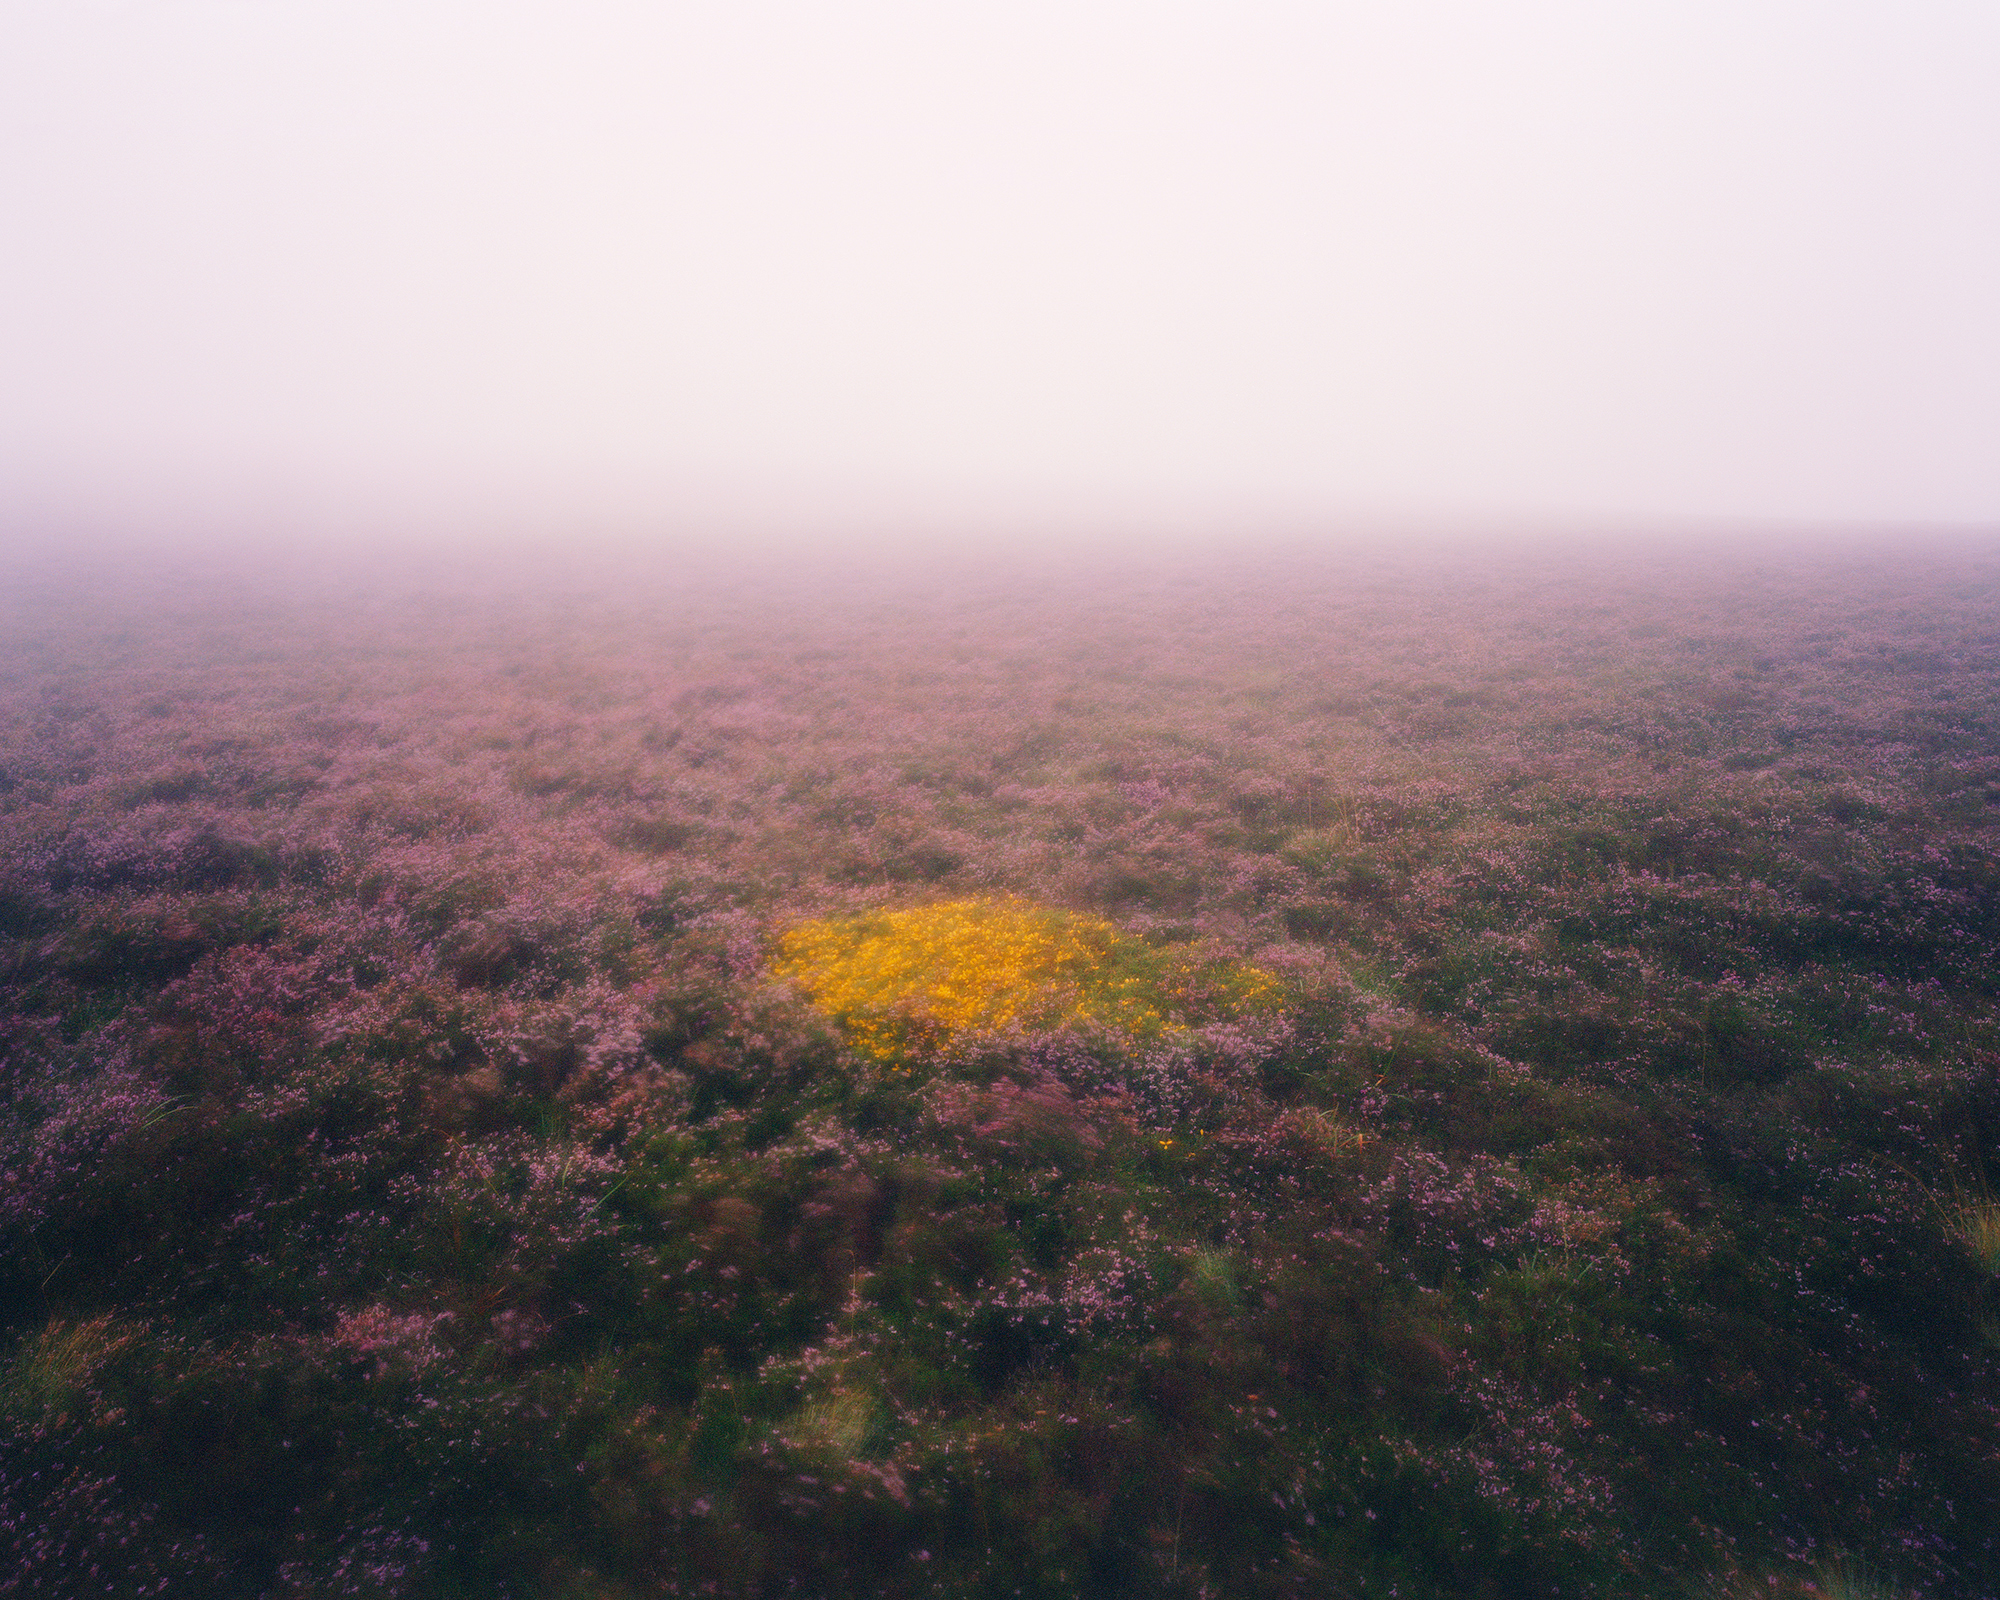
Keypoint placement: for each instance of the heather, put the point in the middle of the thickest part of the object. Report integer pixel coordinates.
(1322, 1075)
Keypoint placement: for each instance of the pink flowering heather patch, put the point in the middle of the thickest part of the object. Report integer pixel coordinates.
(1415, 1079)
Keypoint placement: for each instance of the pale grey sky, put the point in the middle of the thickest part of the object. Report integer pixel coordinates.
(1702, 259)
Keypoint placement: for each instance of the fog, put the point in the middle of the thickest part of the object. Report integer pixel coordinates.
(900, 799)
(894, 275)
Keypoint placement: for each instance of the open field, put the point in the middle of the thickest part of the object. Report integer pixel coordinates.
(1331, 1076)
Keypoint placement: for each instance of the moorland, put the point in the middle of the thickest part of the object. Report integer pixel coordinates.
(1335, 1074)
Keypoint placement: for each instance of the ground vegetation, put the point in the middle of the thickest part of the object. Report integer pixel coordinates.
(1324, 1076)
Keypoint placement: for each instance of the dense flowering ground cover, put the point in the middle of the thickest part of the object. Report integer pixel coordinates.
(905, 984)
(1522, 1120)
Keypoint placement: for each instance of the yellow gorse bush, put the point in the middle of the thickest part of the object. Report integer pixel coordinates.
(898, 980)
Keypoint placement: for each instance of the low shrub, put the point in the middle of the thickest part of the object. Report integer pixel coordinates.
(901, 981)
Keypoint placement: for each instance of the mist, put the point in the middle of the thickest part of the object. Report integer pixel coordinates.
(885, 277)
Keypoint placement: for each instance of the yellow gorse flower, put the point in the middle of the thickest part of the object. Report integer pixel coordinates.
(898, 980)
